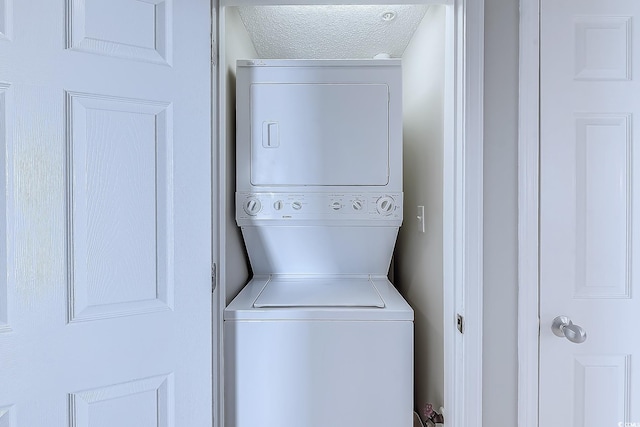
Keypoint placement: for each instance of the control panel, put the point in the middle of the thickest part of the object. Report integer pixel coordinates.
(318, 206)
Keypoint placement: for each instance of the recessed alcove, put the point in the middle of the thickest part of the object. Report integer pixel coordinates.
(422, 36)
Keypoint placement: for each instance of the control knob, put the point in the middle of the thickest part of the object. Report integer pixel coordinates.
(252, 206)
(296, 205)
(385, 205)
(357, 204)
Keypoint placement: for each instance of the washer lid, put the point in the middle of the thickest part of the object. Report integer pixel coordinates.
(319, 292)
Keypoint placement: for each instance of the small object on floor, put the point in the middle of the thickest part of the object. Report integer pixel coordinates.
(432, 417)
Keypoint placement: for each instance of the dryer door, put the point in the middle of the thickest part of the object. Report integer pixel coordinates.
(319, 134)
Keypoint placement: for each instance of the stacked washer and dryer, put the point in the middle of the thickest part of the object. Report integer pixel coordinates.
(319, 337)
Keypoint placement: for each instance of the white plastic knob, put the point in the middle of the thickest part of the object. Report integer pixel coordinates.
(385, 205)
(252, 206)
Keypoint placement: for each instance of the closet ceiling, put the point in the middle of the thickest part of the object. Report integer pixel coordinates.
(322, 32)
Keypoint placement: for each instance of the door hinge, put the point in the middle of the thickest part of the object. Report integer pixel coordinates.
(214, 29)
(214, 52)
(460, 323)
(214, 277)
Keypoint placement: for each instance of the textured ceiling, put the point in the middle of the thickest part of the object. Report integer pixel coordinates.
(323, 32)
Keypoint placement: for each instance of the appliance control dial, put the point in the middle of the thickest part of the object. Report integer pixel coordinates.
(357, 204)
(252, 206)
(296, 205)
(277, 205)
(385, 205)
(336, 205)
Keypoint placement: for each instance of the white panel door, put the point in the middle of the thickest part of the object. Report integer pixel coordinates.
(590, 212)
(105, 218)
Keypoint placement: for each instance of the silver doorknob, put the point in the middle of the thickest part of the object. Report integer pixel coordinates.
(562, 326)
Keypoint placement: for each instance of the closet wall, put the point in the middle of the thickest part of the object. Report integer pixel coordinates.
(418, 257)
(238, 46)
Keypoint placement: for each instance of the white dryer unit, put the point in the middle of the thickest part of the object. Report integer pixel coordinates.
(319, 336)
(319, 125)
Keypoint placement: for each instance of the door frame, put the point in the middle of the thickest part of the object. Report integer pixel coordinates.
(528, 213)
(462, 204)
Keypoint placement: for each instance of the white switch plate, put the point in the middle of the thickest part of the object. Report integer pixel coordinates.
(420, 218)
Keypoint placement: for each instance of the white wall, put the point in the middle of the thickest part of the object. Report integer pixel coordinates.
(418, 258)
(238, 46)
(500, 214)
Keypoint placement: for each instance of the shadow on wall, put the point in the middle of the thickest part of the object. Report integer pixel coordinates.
(419, 256)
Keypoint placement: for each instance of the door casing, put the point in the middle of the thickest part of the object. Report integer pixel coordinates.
(528, 204)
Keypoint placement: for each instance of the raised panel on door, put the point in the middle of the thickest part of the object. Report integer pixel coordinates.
(603, 210)
(121, 218)
(144, 31)
(105, 313)
(601, 381)
(7, 416)
(147, 402)
(602, 48)
(589, 212)
(6, 19)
